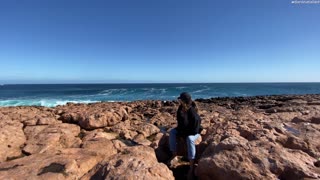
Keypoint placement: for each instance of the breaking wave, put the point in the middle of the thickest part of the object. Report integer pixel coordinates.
(47, 102)
(53, 95)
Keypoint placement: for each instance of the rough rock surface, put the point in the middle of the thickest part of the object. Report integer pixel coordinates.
(51, 137)
(262, 137)
(92, 116)
(138, 162)
(12, 139)
(64, 164)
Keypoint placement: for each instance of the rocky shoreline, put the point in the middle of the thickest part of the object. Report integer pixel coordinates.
(261, 137)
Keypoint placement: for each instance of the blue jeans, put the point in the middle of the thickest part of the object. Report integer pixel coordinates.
(190, 140)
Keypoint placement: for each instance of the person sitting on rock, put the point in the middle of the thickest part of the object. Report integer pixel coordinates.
(188, 127)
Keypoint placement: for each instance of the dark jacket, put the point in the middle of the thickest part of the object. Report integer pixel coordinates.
(188, 122)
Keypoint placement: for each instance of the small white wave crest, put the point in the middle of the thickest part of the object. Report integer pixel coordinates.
(41, 102)
(155, 90)
(181, 87)
(113, 91)
(201, 90)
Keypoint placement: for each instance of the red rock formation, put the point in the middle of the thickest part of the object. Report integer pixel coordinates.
(263, 137)
(138, 162)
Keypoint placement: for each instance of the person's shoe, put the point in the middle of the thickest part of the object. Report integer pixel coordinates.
(173, 162)
(195, 170)
(190, 175)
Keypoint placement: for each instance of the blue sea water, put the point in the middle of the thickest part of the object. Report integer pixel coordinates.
(51, 95)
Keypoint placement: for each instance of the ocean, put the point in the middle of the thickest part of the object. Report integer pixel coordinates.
(51, 95)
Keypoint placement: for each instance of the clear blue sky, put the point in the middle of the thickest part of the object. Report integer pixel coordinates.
(63, 41)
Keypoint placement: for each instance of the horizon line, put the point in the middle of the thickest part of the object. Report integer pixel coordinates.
(84, 83)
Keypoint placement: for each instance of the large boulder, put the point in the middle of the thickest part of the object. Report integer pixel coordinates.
(30, 116)
(162, 119)
(236, 158)
(51, 137)
(138, 162)
(64, 164)
(93, 116)
(130, 129)
(12, 139)
(101, 144)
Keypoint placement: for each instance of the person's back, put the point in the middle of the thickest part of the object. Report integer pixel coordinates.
(189, 121)
(189, 126)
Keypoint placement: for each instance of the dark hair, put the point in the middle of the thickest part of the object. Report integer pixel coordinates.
(186, 106)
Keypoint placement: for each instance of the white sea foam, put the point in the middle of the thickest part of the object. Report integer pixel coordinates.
(112, 91)
(239, 94)
(155, 90)
(148, 89)
(182, 87)
(41, 102)
(201, 90)
(163, 90)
